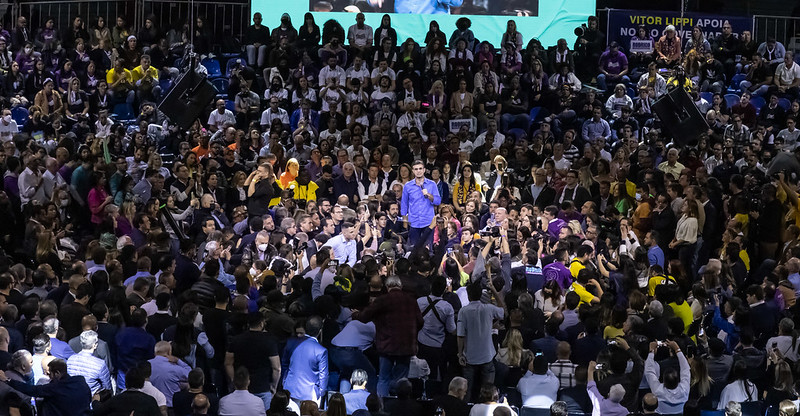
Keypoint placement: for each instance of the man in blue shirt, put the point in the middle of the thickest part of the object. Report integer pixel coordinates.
(356, 398)
(655, 255)
(420, 197)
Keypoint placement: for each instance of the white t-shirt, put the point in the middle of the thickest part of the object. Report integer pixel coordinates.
(219, 120)
(360, 74)
(7, 132)
(376, 73)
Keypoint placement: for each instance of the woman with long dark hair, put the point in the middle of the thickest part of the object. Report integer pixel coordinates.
(549, 298)
(740, 389)
(309, 35)
(464, 187)
(185, 338)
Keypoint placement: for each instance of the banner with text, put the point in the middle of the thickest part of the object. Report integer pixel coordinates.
(623, 24)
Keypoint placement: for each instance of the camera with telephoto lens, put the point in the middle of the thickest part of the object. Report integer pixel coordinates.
(755, 204)
(491, 232)
(580, 30)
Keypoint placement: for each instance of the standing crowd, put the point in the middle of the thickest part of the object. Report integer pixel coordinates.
(365, 225)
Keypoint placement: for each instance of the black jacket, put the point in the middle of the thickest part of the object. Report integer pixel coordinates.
(546, 197)
(126, 402)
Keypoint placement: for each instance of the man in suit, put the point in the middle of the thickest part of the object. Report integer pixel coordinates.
(573, 191)
(539, 193)
(604, 199)
(761, 313)
(307, 377)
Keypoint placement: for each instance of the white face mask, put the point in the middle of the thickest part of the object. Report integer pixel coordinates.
(262, 247)
(64, 202)
(7, 118)
(253, 271)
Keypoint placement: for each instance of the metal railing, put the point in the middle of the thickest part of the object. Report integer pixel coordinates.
(63, 12)
(782, 28)
(224, 18)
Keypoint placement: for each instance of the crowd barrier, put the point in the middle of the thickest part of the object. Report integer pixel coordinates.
(784, 29)
(225, 18)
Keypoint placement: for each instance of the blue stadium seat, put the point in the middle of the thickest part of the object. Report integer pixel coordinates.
(230, 105)
(213, 67)
(221, 85)
(752, 408)
(230, 64)
(706, 96)
(166, 85)
(123, 112)
(537, 114)
(758, 102)
(731, 99)
(517, 133)
(712, 413)
(631, 93)
(785, 104)
(531, 411)
(738, 78)
(20, 116)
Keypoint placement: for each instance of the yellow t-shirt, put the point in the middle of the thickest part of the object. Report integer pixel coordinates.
(611, 332)
(683, 311)
(745, 259)
(574, 267)
(655, 281)
(304, 193)
(584, 294)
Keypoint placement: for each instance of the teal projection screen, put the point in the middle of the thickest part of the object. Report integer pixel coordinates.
(547, 20)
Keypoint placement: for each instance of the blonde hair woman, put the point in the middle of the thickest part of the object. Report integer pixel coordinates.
(155, 162)
(437, 99)
(512, 349)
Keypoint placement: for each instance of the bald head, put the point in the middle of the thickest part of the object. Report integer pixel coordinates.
(200, 404)
(163, 348)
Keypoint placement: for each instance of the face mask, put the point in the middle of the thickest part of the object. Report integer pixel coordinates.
(7, 118)
(253, 271)
(64, 202)
(638, 197)
(262, 247)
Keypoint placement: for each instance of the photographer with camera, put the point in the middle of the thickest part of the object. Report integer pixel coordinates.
(588, 47)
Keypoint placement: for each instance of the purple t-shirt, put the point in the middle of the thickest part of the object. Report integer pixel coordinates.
(554, 228)
(558, 272)
(613, 64)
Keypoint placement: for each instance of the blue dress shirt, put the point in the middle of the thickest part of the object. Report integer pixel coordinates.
(418, 207)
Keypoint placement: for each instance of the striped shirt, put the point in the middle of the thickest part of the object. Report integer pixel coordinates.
(93, 369)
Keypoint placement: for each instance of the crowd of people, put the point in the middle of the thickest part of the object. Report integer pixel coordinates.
(365, 225)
